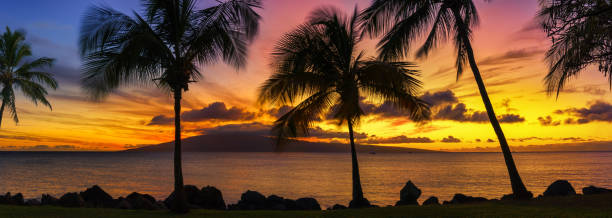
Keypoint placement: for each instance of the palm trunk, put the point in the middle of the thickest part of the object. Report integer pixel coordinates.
(357, 191)
(2, 111)
(180, 202)
(518, 188)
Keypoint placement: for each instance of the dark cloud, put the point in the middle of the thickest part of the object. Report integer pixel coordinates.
(396, 140)
(598, 111)
(279, 112)
(439, 98)
(317, 132)
(459, 113)
(161, 120)
(450, 139)
(511, 118)
(217, 111)
(478, 140)
(548, 121)
(490, 140)
(512, 55)
(214, 111)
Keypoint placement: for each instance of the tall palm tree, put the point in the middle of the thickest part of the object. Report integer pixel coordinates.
(401, 22)
(16, 71)
(581, 35)
(165, 45)
(320, 64)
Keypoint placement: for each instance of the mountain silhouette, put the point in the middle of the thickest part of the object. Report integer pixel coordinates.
(250, 142)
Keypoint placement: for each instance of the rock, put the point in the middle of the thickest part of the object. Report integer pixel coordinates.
(71, 199)
(360, 203)
(308, 204)
(462, 199)
(559, 188)
(431, 201)
(48, 200)
(290, 204)
(191, 193)
(32, 202)
(252, 200)
(337, 207)
(274, 202)
(211, 198)
(146, 196)
(96, 197)
(124, 204)
(591, 190)
(141, 202)
(409, 195)
(521, 196)
(16, 199)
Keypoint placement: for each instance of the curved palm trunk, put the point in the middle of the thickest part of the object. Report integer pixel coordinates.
(357, 191)
(180, 202)
(518, 188)
(2, 112)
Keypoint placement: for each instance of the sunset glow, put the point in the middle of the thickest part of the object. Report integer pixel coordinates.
(508, 44)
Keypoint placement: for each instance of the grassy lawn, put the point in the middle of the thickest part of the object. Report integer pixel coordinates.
(577, 206)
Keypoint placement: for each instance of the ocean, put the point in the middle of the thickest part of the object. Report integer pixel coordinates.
(324, 176)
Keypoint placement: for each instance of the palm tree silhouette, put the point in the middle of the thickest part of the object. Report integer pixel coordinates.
(16, 71)
(402, 21)
(578, 31)
(319, 62)
(166, 45)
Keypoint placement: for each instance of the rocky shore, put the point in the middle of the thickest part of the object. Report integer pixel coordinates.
(211, 198)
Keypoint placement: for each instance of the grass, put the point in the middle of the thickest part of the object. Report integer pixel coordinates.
(574, 206)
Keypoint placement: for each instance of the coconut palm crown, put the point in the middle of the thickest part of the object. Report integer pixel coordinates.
(18, 72)
(166, 44)
(402, 22)
(319, 65)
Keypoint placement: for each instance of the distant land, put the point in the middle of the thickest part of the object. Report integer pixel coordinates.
(247, 142)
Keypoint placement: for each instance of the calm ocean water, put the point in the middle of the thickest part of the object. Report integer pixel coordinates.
(325, 176)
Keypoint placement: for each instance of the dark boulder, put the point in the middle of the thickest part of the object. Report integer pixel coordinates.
(274, 202)
(591, 190)
(32, 202)
(359, 203)
(48, 200)
(409, 195)
(290, 204)
(142, 201)
(211, 198)
(17, 199)
(191, 195)
(337, 207)
(559, 188)
(71, 199)
(123, 204)
(96, 197)
(252, 200)
(431, 201)
(463, 199)
(308, 204)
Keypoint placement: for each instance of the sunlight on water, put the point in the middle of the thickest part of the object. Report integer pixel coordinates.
(325, 176)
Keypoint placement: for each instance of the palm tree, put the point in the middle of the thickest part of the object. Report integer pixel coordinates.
(165, 45)
(320, 64)
(16, 71)
(581, 35)
(402, 21)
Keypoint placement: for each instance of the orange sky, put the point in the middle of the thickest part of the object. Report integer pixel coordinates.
(508, 46)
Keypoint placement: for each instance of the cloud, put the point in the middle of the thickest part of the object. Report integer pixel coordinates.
(317, 132)
(450, 139)
(548, 121)
(597, 111)
(510, 118)
(459, 113)
(490, 140)
(401, 139)
(512, 55)
(279, 112)
(439, 98)
(214, 111)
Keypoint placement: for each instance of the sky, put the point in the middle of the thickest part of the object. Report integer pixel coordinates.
(509, 48)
